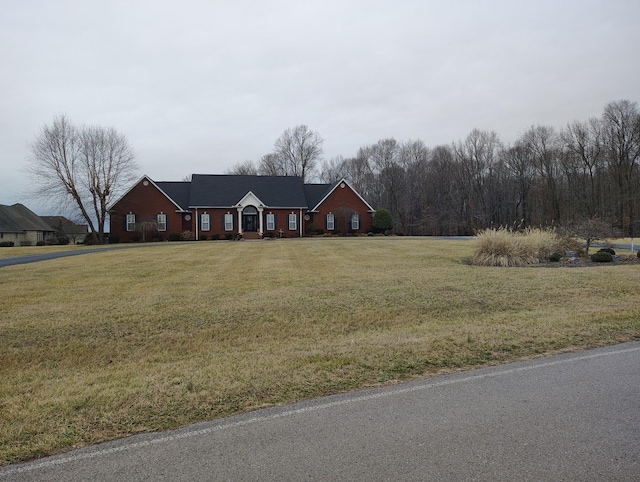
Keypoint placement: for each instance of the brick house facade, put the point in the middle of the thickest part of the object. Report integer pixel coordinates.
(218, 206)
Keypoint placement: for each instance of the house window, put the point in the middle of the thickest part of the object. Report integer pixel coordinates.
(131, 222)
(355, 222)
(271, 222)
(228, 222)
(205, 222)
(161, 219)
(293, 222)
(331, 222)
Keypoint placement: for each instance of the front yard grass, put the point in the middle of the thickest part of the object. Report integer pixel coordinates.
(120, 342)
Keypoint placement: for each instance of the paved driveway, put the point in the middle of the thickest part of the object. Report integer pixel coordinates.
(33, 258)
(569, 417)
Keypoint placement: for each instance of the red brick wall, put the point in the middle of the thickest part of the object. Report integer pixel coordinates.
(216, 218)
(343, 202)
(146, 202)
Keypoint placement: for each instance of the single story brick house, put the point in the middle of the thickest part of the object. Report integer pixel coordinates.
(241, 206)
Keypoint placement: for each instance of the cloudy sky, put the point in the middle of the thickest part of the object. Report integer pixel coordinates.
(197, 86)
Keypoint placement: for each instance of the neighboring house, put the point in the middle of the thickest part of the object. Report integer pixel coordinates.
(22, 226)
(249, 206)
(67, 228)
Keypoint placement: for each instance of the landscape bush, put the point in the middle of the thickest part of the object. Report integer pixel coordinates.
(506, 247)
(203, 237)
(228, 236)
(607, 250)
(174, 237)
(602, 257)
(11, 244)
(382, 220)
(555, 257)
(114, 239)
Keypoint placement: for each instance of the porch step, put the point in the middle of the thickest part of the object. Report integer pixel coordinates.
(251, 235)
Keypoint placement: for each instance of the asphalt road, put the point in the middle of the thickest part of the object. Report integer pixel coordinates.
(569, 417)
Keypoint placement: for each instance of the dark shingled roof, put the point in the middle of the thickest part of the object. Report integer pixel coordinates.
(179, 192)
(18, 218)
(316, 192)
(227, 190)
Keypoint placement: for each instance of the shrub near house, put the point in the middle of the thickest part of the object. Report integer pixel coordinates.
(230, 206)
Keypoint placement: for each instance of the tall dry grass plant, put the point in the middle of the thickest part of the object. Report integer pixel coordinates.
(506, 247)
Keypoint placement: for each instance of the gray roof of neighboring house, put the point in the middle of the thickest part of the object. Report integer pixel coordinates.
(18, 218)
(227, 190)
(60, 223)
(179, 192)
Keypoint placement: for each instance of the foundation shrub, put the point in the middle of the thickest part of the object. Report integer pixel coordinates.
(174, 237)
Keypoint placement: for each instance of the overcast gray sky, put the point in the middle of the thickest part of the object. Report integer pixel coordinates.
(197, 86)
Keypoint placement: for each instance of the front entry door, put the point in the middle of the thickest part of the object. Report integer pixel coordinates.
(250, 222)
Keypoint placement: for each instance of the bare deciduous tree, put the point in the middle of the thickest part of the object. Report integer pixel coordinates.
(246, 168)
(299, 149)
(583, 162)
(83, 167)
(621, 127)
(271, 165)
(334, 170)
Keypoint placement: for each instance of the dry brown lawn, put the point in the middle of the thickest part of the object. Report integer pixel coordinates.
(113, 343)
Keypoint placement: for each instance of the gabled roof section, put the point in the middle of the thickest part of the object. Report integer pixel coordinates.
(250, 199)
(18, 218)
(221, 190)
(331, 188)
(316, 193)
(177, 192)
(170, 189)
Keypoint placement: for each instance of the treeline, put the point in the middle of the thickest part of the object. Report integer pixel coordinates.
(587, 171)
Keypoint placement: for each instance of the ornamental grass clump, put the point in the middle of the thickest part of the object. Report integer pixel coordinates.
(505, 247)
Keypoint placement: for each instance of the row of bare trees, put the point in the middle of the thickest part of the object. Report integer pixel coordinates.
(588, 170)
